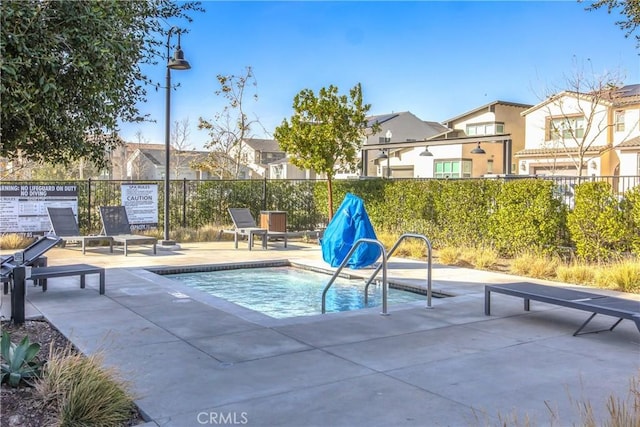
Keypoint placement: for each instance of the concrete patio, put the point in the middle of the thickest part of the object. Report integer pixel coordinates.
(194, 359)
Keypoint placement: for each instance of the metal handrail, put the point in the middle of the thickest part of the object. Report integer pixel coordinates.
(346, 260)
(400, 239)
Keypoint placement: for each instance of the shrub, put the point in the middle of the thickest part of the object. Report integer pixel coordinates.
(526, 217)
(596, 223)
(631, 209)
(83, 392)
(19, 360)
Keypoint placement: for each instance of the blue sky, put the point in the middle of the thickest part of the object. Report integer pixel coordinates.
(435, 59)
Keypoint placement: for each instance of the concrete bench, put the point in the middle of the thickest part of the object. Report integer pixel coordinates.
(39, 275)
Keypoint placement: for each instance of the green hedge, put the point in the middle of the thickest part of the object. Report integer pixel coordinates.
(597, 222)
(526, 218)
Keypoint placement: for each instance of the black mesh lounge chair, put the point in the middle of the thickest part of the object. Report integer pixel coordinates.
(31, 256)
(64, 225)
(245, 225)
(115, 224)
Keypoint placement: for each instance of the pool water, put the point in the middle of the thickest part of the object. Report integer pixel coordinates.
(282, 292)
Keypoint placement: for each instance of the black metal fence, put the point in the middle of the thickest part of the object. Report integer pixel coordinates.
(195, 203)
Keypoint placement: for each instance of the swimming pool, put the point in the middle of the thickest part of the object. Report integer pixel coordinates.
(283, 292)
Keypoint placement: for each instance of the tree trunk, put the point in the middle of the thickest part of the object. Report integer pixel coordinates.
(330, 197)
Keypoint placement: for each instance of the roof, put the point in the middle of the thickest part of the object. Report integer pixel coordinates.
(630, 143)
(437, 129)
(381, 118)
(264, 145)
(156, 156)
(484, 107)
(626, 95)
(536, 152)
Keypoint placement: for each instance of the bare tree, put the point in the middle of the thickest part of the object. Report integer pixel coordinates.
(138, 166)
(180, 145)
(230, 127)
(578, 117)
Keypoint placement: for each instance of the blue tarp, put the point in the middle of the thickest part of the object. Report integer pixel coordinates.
(349, 224)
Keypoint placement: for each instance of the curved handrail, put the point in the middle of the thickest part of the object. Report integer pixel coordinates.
(346, 260)
(391, 251)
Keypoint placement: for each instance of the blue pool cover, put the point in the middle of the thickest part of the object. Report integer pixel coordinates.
(349, 224)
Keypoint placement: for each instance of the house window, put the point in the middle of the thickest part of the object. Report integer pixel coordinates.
(485, 128)
(619, 120)
(452, 169)
(490, 166)
(565, 128)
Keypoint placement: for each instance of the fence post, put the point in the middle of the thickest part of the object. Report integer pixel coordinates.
(88, 222)
(18, 290)
(184, 202)
(264, 194)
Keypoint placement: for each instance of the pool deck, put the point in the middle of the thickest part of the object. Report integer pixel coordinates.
(195, 360)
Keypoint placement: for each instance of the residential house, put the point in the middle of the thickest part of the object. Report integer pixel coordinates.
(147, 161)
(583, 134)
(397, 162)
(256, 154)
(476, 143)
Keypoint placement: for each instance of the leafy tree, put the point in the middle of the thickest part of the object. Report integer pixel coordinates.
(325, 132)
(70, 72)
(229, 128)
(630, 9)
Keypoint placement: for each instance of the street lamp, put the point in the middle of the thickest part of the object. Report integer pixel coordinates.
(176, 63)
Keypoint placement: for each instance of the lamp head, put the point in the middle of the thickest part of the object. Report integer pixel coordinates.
(426, 152)
(178, 62)
(478, 150)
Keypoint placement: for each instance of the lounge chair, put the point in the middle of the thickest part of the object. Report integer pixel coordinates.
(621, 308)
(115, 224)
(245, 225)
(64, 225)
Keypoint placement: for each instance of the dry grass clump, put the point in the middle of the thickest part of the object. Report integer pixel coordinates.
(482, 258)
(533, 265)
(621, 412)
(84, 392)
(576, 273)
(14, 241)
(449, 256)
(623, 276)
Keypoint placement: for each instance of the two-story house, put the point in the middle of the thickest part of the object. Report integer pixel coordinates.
(583, 134)
(256, 154)
(477, 143)
(147, 161)
(397, 161)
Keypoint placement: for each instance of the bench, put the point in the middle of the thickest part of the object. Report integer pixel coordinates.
(580, 300)
(39, 275)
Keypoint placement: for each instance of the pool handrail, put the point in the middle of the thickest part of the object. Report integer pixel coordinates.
(383, 265)
(391, 251)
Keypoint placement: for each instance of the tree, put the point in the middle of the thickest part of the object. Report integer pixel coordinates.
(630, 9)
(180, 144)
(71, 69)
(325, 132)
(230, 127)
(578, 116)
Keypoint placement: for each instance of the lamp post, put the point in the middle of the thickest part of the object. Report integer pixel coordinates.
(176, 63)
(387, 139)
